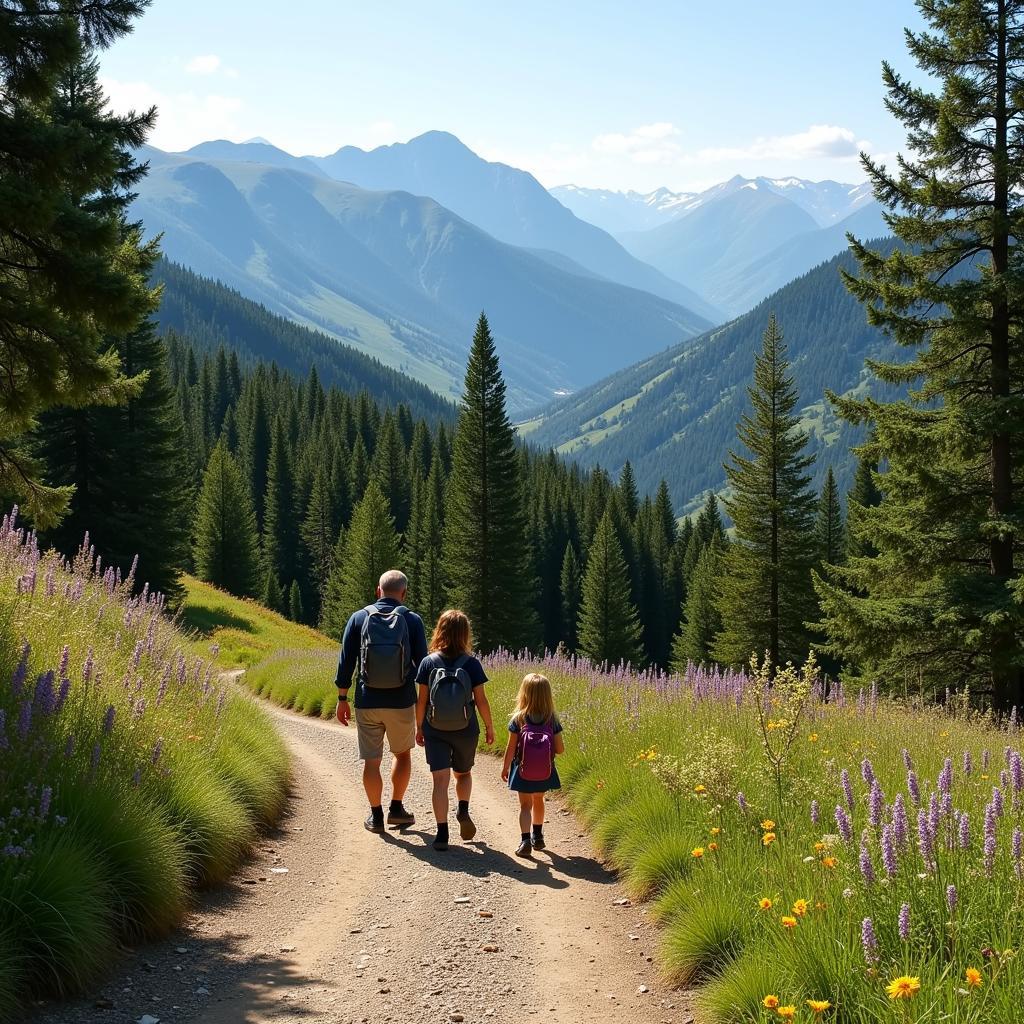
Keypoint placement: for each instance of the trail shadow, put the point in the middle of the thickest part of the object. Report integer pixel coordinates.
(586, 869)
(475, 858)
(205, 620)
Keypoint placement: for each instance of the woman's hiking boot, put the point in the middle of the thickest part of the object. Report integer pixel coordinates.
(467, 828)
(398, 815)
(525, 848)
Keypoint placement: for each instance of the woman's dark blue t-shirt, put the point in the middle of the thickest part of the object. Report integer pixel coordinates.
(477, 677)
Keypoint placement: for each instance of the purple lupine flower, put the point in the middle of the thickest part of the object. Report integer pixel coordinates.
(45, 698)
(844, 778)
(136, 655)
(65, 657)
(900, 824)
(741, 800)
(20, 670)
(951, 898)
(860, 702)
(44, 802)
(990, 838)
(876, 803)
(946, 805)
(907, 763)
(108, 720)
(24, 720)
(946, 776)
(968, 764)
(843, 824)
(904, 922)
(62, 693)
(914, 787)
(997, 800)
(158, 749)
(95, 759)
(964, 831)
(1016, 772)
(890, 861)
(1012, 725)
(933, 814)
(815, 812)
(221, 700)
(1017, 844)
(868, 941)
(925, 841)
(87, 667)
(867, 772)
(1004, 779)
(140, 708)
(867, 869)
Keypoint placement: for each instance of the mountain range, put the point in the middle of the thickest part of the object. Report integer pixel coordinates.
(396, 275)
(673, 415)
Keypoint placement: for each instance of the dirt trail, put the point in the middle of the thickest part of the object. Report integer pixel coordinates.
(330, 923)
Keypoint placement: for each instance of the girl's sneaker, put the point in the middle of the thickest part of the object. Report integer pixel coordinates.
(525, 849)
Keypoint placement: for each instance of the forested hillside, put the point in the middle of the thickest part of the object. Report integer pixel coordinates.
(212, 315)
(674, 415)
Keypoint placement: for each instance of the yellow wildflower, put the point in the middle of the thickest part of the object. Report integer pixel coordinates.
(768, 838)
(973, 977)
(800, 908)
(715, 831)
(765, 903)
(903, 987)
(697, 852)
(829, 862)
(712, 847)
(767, 824)
(789, 922)
(700, 788)
(813, 738)
(786, 1012)
(770, 1002)
(818, 1006)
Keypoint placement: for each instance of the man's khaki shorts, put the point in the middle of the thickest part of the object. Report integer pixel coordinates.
(373, 724)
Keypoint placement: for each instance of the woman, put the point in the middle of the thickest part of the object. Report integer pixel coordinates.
(451, 689)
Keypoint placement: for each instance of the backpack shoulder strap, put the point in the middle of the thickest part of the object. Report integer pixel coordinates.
(461, 661)
(372, 609)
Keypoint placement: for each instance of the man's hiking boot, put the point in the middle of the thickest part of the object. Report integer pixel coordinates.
(440, 842)
(466, 827)
(401, 817)
(372, 825)
(525, 849)
(538, 842)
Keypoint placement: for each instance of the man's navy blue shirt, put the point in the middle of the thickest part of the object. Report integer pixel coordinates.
(348, 661)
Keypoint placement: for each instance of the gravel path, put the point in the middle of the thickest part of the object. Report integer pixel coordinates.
(329, 923)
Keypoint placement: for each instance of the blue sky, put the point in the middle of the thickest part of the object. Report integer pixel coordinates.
(601, 94)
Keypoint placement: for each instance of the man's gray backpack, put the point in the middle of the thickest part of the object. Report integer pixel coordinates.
(384, 658)
(451, 696)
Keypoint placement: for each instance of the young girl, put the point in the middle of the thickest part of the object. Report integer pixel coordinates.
(533, 741)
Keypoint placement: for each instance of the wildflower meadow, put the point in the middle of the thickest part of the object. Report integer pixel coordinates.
(810, 855)
(129, 775)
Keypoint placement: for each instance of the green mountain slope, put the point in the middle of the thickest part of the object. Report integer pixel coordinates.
(674, 414)
(398, 276)
(211, 314)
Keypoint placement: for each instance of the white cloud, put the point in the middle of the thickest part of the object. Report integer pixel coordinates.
(184, 118)
(204, 64)
(648, 144)
(819, 142)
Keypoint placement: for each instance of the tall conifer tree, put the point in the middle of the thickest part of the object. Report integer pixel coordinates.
(829, 528)
(701, 620)
(571, 581)
(486, 548)
(280, 529)
(609, 627)
(766, 595)
(941, 600)
(226, 546)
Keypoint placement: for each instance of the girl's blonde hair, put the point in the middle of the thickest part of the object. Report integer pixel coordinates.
(453, 634)
(535, 699)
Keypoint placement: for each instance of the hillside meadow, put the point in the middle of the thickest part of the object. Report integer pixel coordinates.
(809, 857)
(130, 776)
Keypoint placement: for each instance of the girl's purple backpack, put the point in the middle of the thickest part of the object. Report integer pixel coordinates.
(536, 750)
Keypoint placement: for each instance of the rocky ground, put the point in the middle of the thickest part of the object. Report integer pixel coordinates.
(330, 923)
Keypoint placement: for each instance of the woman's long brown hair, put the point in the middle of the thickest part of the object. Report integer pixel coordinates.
(453, 634)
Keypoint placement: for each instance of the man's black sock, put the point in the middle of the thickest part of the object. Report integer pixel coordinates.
(442, 831)
(378, 814)
(463, 807)
(396, 805)
(526, 837)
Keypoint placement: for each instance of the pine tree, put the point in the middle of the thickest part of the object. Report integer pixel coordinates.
(295, 609)
(257, 443)
(941, 601)
(227, 545)
(829, 529)
(627, 493)
(863, 495)
(73, 276)
(766, 595)
(571, 582)
(486, 550)
(318, 532)
(609, 628)
(701, 619)
(370, 548)
(390, 469)
(273, 595)
(428, 587)
(280, 527)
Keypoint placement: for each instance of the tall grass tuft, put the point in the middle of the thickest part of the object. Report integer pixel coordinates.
(129, 773)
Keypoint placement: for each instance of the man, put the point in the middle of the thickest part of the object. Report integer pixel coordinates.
(385, 642)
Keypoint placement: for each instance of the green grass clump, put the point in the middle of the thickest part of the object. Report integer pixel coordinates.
(130, 773)
(238, 633)
(297, 679)
(715, 797)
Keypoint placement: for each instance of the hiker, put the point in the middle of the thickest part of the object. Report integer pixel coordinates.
(534, 739)
(451, 688)
(385, 642)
